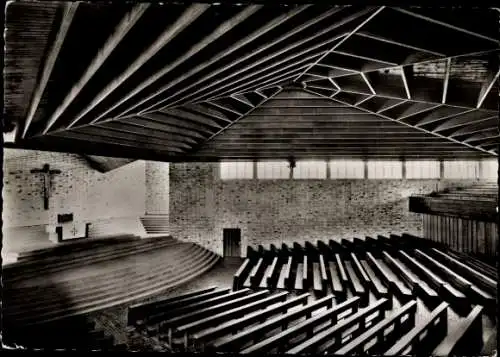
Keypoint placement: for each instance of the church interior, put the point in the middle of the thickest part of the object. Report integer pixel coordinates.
(250, 178)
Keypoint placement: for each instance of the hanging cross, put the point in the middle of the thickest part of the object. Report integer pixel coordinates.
(47, 175)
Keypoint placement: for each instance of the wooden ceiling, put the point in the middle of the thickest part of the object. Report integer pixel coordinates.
(207, 82)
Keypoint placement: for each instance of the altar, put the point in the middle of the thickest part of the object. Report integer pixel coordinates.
(67, 230)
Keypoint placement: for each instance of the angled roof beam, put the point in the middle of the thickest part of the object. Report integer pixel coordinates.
(464, 119)
(232, 123)
(446, 80)
(239, 44)
(392, 42)
(189, 16)
(405, 82)
(242, 99)
(125, 25)
(438, 115)
(179, 113)
(412, 111)
(364, 100)
(365, 78)
(482, 136)
(364, 57)
(474, 128)
(271, 82)
(486, 88)
(456, 28)
(411, 126)
(68, 14)
(279, 70)
(356, 29)
(271, 56)
(204, 110)
(217, 33)
(224, 108)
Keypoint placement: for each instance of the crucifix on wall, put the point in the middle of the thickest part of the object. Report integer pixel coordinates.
(46, 173)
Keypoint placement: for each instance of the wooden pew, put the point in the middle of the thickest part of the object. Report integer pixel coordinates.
(272, 277)
(457, 299)
(140, 311)
(422, 339)
(307, 327)
(360, 246)
(420, 242)
(305, 272)
(242, 274)
(401, 292)
(378, 288)
(483, 281)
(478, 295)
(383, 334)
(475, 264)
(170, 325)
(334, 335)
(163, 311)
(347, 245)
(284, 278)
(232, 327)
(257, 273)
(344, 279)
(355, 284)
(429, 296)
(234, 313)
(319, 275)
(467, 340)
(264, 283)
(338, 288)
(256, 332)
(364, 279)
(152, 321)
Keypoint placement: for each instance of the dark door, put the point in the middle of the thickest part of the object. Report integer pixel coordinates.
(232, 242)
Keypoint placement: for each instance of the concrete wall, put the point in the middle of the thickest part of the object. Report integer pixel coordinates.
(276, 211)
(112, 201)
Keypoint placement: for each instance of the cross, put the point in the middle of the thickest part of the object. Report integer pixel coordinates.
(47, 175)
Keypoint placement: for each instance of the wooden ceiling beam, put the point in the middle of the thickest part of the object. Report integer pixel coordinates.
(371, 59)
(311, 52)
(442, 113)
(103, 139)
(118, 134)
(476, 127)
(69, 10)
(464, 119)
(145, 131)
(425, 130)
(182, 114)
(202, 108)
(356, 29)
(188, 16)
(222, 29)
(259, 83)
(121, 30)
(181, 123)
(417, 108)
(162, 126)
(404, 78)
(227, 51)
(483, 136)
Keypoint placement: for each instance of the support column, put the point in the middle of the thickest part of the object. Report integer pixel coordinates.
(365, 162)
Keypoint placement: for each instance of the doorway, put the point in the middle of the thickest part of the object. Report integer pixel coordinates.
(232, 242)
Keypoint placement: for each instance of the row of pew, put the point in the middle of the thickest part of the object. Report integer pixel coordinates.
(365, 266)
(248, 321)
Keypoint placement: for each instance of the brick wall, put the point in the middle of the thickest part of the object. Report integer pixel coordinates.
(276, 211)
(90, 195)
(157, 187)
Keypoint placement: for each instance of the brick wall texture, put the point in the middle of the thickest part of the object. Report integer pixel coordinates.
(100, 198)
(157, 188)
(277, 211)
